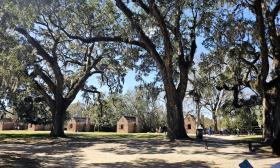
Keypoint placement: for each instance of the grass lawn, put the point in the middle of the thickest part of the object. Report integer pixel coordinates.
(255, 138)
(23, 134)
(98, 135)
(108, 135)
(114, 135)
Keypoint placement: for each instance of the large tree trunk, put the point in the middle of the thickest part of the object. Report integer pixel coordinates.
(276, 123)
(58, 125)
(175, 117)
(267, 123)
(58, 120)
(215, 122)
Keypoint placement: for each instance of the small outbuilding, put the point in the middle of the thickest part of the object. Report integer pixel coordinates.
(190, 124)
(127, 124)
(7, 124)
(38, 127)
(78, 124)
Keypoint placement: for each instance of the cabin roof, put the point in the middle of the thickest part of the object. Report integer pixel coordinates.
(130, 118)
(190, 115)
(79, 119)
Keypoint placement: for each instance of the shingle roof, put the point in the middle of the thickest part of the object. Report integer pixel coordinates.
(79, 119)
(130, 118)
(190, 115)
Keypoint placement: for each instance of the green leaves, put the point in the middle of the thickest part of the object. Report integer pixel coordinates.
(36, 49)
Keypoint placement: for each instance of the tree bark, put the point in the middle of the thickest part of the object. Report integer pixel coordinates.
(58, 120)
(267, 125)
(175, 117)
(215, 122)
(276, 122)
(198, 117)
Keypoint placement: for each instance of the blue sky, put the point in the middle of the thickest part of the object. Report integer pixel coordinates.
(130, 82)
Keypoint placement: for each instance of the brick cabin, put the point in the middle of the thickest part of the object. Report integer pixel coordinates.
(38, 127)
(127, 124)
(78, 124)
(7, 124)
(190, 124)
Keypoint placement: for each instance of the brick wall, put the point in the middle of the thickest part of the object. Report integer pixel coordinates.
(190, 124)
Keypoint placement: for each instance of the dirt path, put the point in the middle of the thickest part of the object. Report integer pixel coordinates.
(89, 152)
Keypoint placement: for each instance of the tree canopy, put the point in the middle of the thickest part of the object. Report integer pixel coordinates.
(56, 65)
(49, 49)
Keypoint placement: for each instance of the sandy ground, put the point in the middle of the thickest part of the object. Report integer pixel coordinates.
(89, 152)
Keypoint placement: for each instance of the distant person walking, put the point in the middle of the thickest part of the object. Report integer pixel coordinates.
(164, 129)
(209, 131)
(237, 131)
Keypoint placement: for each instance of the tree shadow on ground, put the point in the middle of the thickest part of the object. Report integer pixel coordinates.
(65, 152)
(210, 147)
(141, 147)
(219, 147)
(33, 153)
(151, 163)
(18, 160)
(130, 147)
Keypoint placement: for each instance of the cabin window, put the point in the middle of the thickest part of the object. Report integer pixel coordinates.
(71, 126)
(121, 126)
(189, 126)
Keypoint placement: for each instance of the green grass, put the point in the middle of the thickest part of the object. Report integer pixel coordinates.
(113, 135)
(23, 134)
(108, 135)
(255, 138)
(98, 135)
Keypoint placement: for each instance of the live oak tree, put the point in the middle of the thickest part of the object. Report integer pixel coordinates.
(250, 37)
(9, 82)
(12, 80)
(17, 97)
(164, 35)
(58, 67)
(143, 103)
(203, 88)
(212, 99)
(245, 119)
